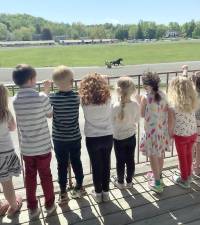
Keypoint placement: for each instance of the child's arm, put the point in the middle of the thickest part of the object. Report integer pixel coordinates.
(143, 106)
(47, 86)
(171, 122)
(11, 123)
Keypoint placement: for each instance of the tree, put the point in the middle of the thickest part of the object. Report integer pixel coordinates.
(3, 32)
(23, 34)
(196, 32)
(139, 33)
(121, 33)
(132, 31)
(149, 30)
(188, 28)
(161, 31)
(46, 34)
(174, 26)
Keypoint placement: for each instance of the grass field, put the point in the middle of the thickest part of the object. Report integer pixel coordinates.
(95, 55)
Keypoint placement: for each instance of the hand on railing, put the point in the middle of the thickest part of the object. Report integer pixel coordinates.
(47, 86)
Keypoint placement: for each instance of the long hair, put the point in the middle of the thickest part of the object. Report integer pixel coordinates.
(125, 88)
(4, 111)
(152, 80)
(182, 94)
(196, 80)
(94, 90)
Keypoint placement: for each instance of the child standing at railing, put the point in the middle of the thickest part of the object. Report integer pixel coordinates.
(66, 132)
(9, 162)
(155, 140)
(96, 103)
(196, 151)
(183, 99)
(125, 116)
(32, 110)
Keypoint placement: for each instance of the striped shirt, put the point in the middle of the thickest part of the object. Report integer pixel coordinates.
(65, 116)
(31, 109)
(6, 144)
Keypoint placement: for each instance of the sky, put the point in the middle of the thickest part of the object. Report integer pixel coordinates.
(102, 11)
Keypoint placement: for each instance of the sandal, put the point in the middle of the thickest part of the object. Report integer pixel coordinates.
(3, 208)
(12, 212)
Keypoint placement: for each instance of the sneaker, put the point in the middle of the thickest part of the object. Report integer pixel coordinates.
(129, 185)
(162, 182)
(34, 213)
(105, 196)
(190, 180)
(97, 196)
(156, 188)
(78, 192)
(180, 182)
(116, 183)
(51, 210)
(63, 199)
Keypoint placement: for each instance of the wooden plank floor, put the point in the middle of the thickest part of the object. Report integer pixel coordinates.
(137, 206)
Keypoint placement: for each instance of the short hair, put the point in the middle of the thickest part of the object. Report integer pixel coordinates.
(23, 73)
(62, 73)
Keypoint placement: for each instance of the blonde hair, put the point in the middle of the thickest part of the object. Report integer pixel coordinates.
(4, 111)
(125, 88)
(94, 89)
(62, 73)
(182, 94)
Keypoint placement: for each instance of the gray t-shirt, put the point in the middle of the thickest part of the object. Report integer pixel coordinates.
(31, 109)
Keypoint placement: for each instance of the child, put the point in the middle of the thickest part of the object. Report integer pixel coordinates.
(125, 115)
(96, 103)
(196, 165)
(66, 133)
(32, 109)
(155, 139)
(183, 99)
(9, 162)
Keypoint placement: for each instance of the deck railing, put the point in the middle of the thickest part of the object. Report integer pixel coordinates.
(165, 79)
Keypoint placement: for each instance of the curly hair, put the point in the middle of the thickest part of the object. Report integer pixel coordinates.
(152, 79)
(182, 94)
(94, 90)
(4, 111)
(125, 88)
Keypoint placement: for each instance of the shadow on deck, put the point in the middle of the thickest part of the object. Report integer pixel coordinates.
(137, 206)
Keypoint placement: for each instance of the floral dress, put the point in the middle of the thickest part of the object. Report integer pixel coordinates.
(155, 140)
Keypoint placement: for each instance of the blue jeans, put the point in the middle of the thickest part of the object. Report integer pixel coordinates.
(65, 151)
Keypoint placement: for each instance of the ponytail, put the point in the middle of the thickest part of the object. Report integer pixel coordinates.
(157, 96)
(122, 105)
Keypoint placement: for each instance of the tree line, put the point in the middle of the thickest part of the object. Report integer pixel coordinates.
(23, 27)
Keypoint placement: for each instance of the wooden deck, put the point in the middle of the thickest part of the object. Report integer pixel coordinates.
(138, 206)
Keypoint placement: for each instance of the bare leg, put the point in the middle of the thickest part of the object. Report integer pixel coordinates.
(161, 163)
(9, 193)
(154, 161)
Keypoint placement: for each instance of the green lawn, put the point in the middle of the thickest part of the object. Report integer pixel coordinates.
(95, 55)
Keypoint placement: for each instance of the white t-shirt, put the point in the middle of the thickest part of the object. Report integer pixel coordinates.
(6, 143)
(125, 128)
(185, 123)
(97, 120)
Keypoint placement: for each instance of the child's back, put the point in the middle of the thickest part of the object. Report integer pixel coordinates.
(32, 108)
(65, 115)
